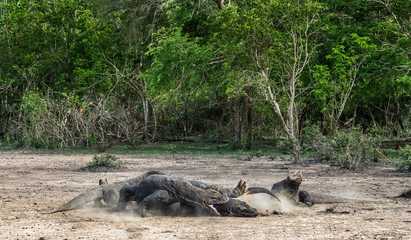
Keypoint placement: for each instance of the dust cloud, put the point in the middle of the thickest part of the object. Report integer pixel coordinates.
(266, 203)
(129, 214)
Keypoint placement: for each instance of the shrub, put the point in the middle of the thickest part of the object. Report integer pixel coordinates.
(404, 161)
(33, 128)
(49, 121)
(314, 141)
(105, 160)
(347, 149)
(355, 150)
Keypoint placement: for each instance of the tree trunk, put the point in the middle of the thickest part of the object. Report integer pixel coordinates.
(146, 117)
(249, 115)
(301, 122)
(220, 4)
(236, 121)
(185, 120)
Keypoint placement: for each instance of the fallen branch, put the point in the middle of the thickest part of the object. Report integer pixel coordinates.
(388, 160)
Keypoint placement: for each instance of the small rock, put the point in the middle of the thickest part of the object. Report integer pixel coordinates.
(275, 212)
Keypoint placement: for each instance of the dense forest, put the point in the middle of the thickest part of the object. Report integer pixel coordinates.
(320, 74)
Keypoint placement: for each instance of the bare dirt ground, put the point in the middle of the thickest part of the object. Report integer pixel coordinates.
(33, 183)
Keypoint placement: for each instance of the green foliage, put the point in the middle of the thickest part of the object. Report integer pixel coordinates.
(404, 161)
(54, 44)
(334, 84)
(105, 160)
(178, 66)
(355, 150)
(86, 73)
(32, 127)
(33, 107)
(351, 150)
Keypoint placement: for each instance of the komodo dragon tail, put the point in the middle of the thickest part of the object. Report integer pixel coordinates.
(109, 193)
(79, 201)
(312, 198)
(406, 194)
(255, 190)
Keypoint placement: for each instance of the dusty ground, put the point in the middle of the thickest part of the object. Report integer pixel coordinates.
(34, 183)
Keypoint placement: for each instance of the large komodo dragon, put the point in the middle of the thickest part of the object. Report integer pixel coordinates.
(289, 189)
(162, 190)
(109, 193)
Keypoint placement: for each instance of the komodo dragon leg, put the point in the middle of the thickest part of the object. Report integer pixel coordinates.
(160, 199)
(126, 195)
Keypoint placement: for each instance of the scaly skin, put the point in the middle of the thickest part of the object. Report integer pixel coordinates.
(287, 188)
(313, 198)
(164, 201)
(109, 193)
(234, 207)
(239, 190)
(159, 190)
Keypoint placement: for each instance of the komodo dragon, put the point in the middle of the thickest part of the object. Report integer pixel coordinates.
(165, 202)
(109, 193)
(287, 188)
(163, 190)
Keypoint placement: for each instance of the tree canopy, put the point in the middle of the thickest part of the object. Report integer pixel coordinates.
(75, 72)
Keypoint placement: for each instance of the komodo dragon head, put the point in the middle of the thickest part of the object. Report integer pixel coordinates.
(296, 178)
(214, 197)
(236, 208)
(103, 181)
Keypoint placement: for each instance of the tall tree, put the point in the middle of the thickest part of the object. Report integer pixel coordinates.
(277, 39)
(334, 85)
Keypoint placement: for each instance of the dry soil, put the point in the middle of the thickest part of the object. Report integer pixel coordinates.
(32, 183)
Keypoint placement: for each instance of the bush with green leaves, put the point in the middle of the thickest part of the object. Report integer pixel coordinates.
(314, 141)
(404, 161)
(349, 149)
(355, 150)
(105, 160)
(33, 127)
